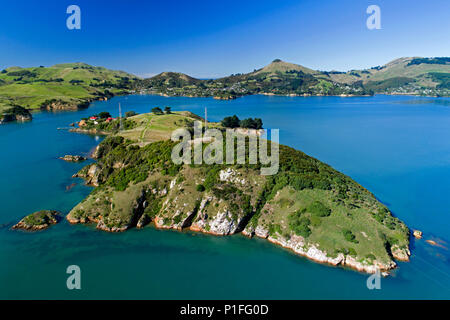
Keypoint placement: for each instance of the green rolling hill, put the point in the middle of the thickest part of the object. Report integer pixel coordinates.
(420, 76)
(64, 86)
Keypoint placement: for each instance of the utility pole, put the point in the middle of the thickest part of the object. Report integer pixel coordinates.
(206, 118)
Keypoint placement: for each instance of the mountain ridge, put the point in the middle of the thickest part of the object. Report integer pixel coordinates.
(405, 75)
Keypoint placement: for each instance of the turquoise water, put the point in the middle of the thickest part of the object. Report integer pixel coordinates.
(397, 147)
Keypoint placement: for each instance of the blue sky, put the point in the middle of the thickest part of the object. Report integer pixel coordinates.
(217, 38)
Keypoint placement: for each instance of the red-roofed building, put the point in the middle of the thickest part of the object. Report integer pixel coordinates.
(93, 118)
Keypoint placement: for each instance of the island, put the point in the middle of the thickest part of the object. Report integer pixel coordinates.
(39, 220)
(307, 207)
(73, 158)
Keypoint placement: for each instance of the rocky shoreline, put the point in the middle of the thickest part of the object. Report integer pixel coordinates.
(53, 105)
(17, 118)
(62, 105)
(16, 114)
(296, 244)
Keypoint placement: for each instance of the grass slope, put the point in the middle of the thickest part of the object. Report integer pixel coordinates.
(72, 83)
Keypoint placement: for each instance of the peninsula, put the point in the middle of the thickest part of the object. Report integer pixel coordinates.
(307, 207)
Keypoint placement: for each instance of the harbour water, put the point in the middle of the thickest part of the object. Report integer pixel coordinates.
(398, 147)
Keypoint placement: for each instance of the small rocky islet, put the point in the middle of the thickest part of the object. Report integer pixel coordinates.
(307, 207)
(39, 220)
(73, 158)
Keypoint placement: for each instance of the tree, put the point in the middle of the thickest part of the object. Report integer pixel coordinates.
(247, 123)
(299, 224)
(230, 122)
(18, 110)
(349, 236)
(251, 123)
(258, 123)
(130, 114)
(157, 110)
(104, 115)
(317, 208)
(167, 110)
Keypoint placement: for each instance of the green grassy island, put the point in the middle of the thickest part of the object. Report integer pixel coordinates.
(39, 220)
(307, 207)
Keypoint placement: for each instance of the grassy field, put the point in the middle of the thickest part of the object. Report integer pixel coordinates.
(153, 127)
(71, 83)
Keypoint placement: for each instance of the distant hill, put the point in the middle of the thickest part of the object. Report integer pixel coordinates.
(414, 75)
(62, 86)
(171, 79)
(278, 77)
(279, 66)
(74, 85)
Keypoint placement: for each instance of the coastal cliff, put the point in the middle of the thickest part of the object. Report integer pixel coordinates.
(16, 113)
(306, 207)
